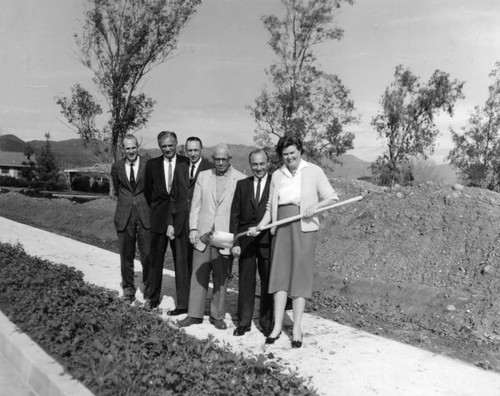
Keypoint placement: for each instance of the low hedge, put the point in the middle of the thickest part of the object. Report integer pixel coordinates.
(115, 349)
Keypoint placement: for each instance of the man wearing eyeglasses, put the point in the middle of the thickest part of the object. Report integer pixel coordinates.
(210, 211)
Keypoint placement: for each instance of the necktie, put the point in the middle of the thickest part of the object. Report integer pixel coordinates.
(132, 176)
(191, 174)
(169, 186)
(257, 194)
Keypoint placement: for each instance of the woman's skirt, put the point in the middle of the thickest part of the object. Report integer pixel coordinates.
(292, 260)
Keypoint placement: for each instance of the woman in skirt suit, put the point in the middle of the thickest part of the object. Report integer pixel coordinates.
(297, 187)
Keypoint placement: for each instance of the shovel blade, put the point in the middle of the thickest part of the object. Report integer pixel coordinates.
(221, 239)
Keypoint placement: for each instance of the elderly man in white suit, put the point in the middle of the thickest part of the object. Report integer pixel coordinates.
(211, 210)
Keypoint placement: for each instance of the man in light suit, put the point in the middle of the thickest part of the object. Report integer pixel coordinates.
(210, 210)
(185, 176)
(132, 214)
(159, 182)
(247, 210)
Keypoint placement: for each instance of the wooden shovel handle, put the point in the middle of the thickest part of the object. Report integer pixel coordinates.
(299, 216)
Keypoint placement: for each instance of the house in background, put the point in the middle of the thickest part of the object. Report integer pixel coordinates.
(99, 173)
(11, 163)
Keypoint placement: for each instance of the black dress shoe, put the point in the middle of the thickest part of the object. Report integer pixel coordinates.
(270, 340)
(240, 330)
(177, 311)
(188, 321)
(297, 343)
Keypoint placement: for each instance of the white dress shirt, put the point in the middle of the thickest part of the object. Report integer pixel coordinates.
(173, 161)
(135, 165)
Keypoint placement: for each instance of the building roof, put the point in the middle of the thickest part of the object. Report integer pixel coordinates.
(13, 159)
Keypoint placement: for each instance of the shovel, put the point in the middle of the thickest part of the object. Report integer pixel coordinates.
(225, 240)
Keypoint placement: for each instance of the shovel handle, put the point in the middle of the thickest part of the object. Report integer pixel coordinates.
(299, 216)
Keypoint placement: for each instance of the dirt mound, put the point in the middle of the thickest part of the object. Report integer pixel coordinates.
(430, 250)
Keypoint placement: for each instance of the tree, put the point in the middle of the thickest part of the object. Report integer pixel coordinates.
(47, 167)
(121, 41)
(477, 151)
(304, 101)
(28, 171)
(407, 121)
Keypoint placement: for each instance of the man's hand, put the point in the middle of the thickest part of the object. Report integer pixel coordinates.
(170, 232)
(193, 237)
(236, 251)
(253, 231)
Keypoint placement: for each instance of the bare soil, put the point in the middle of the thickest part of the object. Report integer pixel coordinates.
(419, 265)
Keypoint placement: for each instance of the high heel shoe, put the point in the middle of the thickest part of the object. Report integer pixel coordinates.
(270, 340)
(297, 343)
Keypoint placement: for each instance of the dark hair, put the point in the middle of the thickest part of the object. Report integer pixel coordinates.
(287, 141)
(166, 134)
(194, 139)
(257, 151)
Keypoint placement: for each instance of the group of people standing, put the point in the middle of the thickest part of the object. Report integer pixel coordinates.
(174, 199)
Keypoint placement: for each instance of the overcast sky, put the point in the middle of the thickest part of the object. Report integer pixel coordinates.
(218, 68)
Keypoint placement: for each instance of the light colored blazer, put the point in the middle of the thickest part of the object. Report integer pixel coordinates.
(314, 188)
(206, 213)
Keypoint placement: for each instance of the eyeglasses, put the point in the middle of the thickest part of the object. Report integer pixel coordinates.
(220, 159)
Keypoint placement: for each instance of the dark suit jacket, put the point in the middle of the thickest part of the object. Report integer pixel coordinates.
(128, 197)
(162, 203)
(244, 214)
(204, 165)
(183, 189)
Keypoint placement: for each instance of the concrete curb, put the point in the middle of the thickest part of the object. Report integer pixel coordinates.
(42, 373)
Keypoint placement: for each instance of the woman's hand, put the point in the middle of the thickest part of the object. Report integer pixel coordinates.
(253, 231)
(309, 212)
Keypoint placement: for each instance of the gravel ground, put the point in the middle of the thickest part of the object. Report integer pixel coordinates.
(419, 265)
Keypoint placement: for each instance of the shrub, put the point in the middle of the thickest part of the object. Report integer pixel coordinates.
(113, 348)
(81, 183)
(9, 181)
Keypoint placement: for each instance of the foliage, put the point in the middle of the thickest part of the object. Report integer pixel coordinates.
(115, 349)
(477, 151)
(81, 183)
(407, 121)
(304, 100)
(47, 167)
(121, 42)
(9, 181)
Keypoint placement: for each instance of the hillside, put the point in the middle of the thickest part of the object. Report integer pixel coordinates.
(71, 153)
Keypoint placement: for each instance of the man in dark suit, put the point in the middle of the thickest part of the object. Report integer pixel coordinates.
(132, 214)
(247, 209)
(159, 182)
(185, 176)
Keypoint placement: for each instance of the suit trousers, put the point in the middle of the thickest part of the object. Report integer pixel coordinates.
(183, 267)
(254, 258)
(133, 232)
(159, 244)
(204, 263)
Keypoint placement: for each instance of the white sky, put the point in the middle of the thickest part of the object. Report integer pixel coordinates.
(219, 66)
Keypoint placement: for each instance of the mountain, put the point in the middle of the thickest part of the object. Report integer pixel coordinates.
(12, 143)
(71, 154)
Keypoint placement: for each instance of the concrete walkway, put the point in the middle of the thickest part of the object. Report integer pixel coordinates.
(337, 360)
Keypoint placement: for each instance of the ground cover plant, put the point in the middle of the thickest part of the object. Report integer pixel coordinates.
(115, 349)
